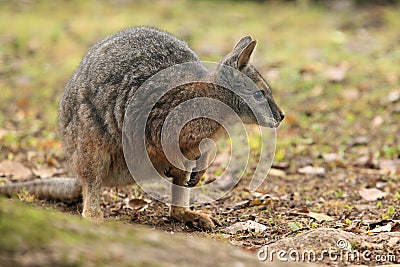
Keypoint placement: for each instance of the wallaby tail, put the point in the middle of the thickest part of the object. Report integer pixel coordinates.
(58, 188)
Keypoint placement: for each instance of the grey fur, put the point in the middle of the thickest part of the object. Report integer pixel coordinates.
(92, 108)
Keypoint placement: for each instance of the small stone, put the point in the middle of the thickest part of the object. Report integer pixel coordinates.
(393, 96)
(332, 157)
(371, 194)
(312, 170)
(393, 241)
(277, 173)
(250, 226)
(14, 169)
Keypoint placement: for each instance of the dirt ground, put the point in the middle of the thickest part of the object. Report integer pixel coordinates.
(292, 208)
(335, 180)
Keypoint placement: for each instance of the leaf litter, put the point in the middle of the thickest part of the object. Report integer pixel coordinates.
(371, 194)
(14, 169)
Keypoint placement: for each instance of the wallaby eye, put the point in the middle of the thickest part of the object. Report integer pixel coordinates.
(259, 95)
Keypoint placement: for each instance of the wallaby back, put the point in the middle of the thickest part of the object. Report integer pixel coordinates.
(93, 105)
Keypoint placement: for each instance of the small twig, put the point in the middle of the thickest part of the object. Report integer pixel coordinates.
(363, 170)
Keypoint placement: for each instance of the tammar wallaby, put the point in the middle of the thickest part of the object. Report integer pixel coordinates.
(92, 109)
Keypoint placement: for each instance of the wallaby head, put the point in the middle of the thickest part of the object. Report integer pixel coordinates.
(264, 111)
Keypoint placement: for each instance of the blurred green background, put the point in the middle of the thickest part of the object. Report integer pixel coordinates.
(331, 64)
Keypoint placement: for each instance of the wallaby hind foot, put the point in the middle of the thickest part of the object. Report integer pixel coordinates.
(197, 219)
(91, 204)
(94, 215)
(95, 99)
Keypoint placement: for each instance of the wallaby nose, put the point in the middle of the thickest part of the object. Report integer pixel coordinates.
(282, 115)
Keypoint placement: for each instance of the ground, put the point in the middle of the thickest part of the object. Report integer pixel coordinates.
(334, 71)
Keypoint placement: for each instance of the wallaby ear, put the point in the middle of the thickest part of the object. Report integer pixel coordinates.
(243, 43)
(244, 56)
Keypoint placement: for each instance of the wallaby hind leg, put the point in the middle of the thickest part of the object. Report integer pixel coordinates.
(91, 200)
(181, 198)
(93, 168)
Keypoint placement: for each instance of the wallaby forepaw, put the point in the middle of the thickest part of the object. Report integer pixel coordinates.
(196, 219)
(194, 179)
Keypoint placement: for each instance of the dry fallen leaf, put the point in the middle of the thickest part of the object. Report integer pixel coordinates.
(371, 194)
(258, 194)
(377, 121)
(351, 94)
(255, 202)
(397, 108)
(295, 226)
(385, 228)
(308, 69)
(320, 217)
(332, 157)
(381, 185)
(4, 132)
(281, 165)
(302, 161)
(316, 90)
(362, 207)
(359, 140)
(44, 171)
(241, 204)
(337, 73)
(312, 170)
(250, 226)
(273, 74)
(137, 203)
(14, 169)
(393, 96)
(389, 165)
(277, 173)
(365, 161)
(396, 226)
(393, 241)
